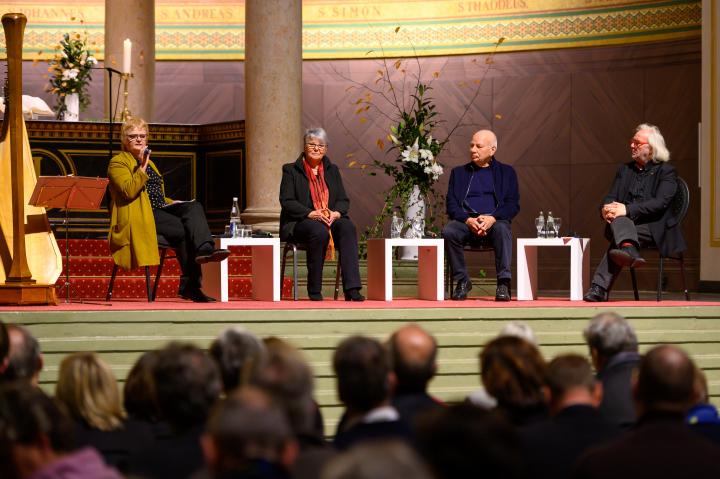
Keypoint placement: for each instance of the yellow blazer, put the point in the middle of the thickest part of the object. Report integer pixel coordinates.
(132, 236)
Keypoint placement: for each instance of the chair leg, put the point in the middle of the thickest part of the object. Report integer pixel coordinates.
(449, 279)
(163, 252)
(295, 273)
(337, 280)
(108, 296)
(634, 284)
(681, 258)
(659, 280)
(148, 285)
(282, 268)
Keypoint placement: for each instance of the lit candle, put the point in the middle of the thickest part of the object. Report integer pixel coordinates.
(127, 53)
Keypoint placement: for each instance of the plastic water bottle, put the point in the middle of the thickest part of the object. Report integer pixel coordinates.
(396, 226)
(550, 225)
(235, 219)
(540, 225)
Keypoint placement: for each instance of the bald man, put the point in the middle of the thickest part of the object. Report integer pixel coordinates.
(483, 198)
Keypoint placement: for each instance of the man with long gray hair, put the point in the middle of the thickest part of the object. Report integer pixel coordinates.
(637, 210)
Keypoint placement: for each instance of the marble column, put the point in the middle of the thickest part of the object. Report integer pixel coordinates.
(133, 19)
(273, 102)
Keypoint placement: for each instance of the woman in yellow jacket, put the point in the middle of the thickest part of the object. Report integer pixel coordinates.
(139, 211)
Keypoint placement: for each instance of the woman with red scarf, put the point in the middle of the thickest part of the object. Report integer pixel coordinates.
(315, 213)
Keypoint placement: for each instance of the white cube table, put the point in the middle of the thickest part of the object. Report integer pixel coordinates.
(431, 258)
(527, 265)
(265, 269)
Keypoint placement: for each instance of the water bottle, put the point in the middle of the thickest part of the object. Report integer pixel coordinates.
(235, 219)
(396, 226)
(550, 225)
(540, 225)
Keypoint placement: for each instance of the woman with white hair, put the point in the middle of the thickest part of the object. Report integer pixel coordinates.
(637, 210)
(315, 212)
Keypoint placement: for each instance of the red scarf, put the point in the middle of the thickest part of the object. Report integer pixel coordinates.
(320, 197)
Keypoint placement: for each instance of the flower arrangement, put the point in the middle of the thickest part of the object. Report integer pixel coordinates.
(71, 71)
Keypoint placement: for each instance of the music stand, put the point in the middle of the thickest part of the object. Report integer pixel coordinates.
(68, 192)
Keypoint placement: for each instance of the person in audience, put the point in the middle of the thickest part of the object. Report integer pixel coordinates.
(248, 440)
(36, 439)
(483, 197)
(187, 384)
(414, 358)
(703, 417)
(88, 392)
(377, 460)
(314, 211)
(513, 372)
(463, 441)
(139, 211)
(4, 349)
(662, 445)
(139, 397)
(552, 446)
(239, 355)
(365, 384)
(25, 358)
(637, 211)
(614, 352)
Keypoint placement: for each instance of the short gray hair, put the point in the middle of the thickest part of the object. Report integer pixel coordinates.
(316, 132)
(519, 329)
(609, 334)
(239, 355)
(656, 142)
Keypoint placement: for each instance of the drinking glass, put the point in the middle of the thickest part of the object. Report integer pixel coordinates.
(245, 231)
(539, 225)
(228, 232)
(556, 226)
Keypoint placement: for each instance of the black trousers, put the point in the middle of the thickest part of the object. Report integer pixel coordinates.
(457, 235)
(622, 229)
(186, 229)
(314, 235)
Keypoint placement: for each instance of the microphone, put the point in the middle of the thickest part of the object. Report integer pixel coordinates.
(146, 152)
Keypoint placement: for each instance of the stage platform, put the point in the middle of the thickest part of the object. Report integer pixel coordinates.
(120, 331)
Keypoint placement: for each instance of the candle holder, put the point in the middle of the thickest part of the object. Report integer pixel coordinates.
(125, 112)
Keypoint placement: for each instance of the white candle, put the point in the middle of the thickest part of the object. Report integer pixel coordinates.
(127, 54)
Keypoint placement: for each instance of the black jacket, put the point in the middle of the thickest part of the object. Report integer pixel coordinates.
(655, 211)
(295, 200)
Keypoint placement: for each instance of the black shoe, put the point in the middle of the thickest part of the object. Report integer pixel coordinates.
(354, 295)
(502, 293)
(627, 256)
(461, 290)
(197, 296)
(212, 255)
(596, 294)
(315, 296)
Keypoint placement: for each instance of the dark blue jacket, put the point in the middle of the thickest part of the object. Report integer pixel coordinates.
(507, 194)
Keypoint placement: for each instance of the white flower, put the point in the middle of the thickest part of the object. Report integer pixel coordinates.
(434, 171)
(64, 55)
(427, 157)
(91, 60)
(411, 153)
(70, 74)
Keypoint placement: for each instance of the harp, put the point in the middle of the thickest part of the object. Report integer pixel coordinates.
(30, 260)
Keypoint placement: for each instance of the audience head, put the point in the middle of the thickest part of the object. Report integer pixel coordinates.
(187, 384)
(377, 460)
(243, 429)
(665, 381)
(571, 381)
(34, 432)
(414, 353)
(362, 368)
(25, 359)
(287, 377)
(608, 334)
(239, 355)
(88, 391)
(139, 391)
(520, 330)
(701, 387)
(467, 441)
(513, 372)
(4, 349)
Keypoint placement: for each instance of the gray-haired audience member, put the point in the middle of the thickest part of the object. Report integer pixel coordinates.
(239, 355)
(36, 439)
(248, 439)
(380, 460)
(661, 445)
(414, 357)
(25, 358)
(552, 446)
(614, 351)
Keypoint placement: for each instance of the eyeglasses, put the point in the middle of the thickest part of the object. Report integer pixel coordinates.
(634, 142)
(315, 146)
(136, 137)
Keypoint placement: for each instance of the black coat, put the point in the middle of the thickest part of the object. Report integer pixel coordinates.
(295, 200)
(654, 211)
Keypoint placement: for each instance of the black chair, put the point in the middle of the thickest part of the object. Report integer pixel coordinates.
(163, 246)
(679, 207)
(295, 247)
(482, 247)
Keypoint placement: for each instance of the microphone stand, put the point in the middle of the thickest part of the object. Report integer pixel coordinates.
(111, 113)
